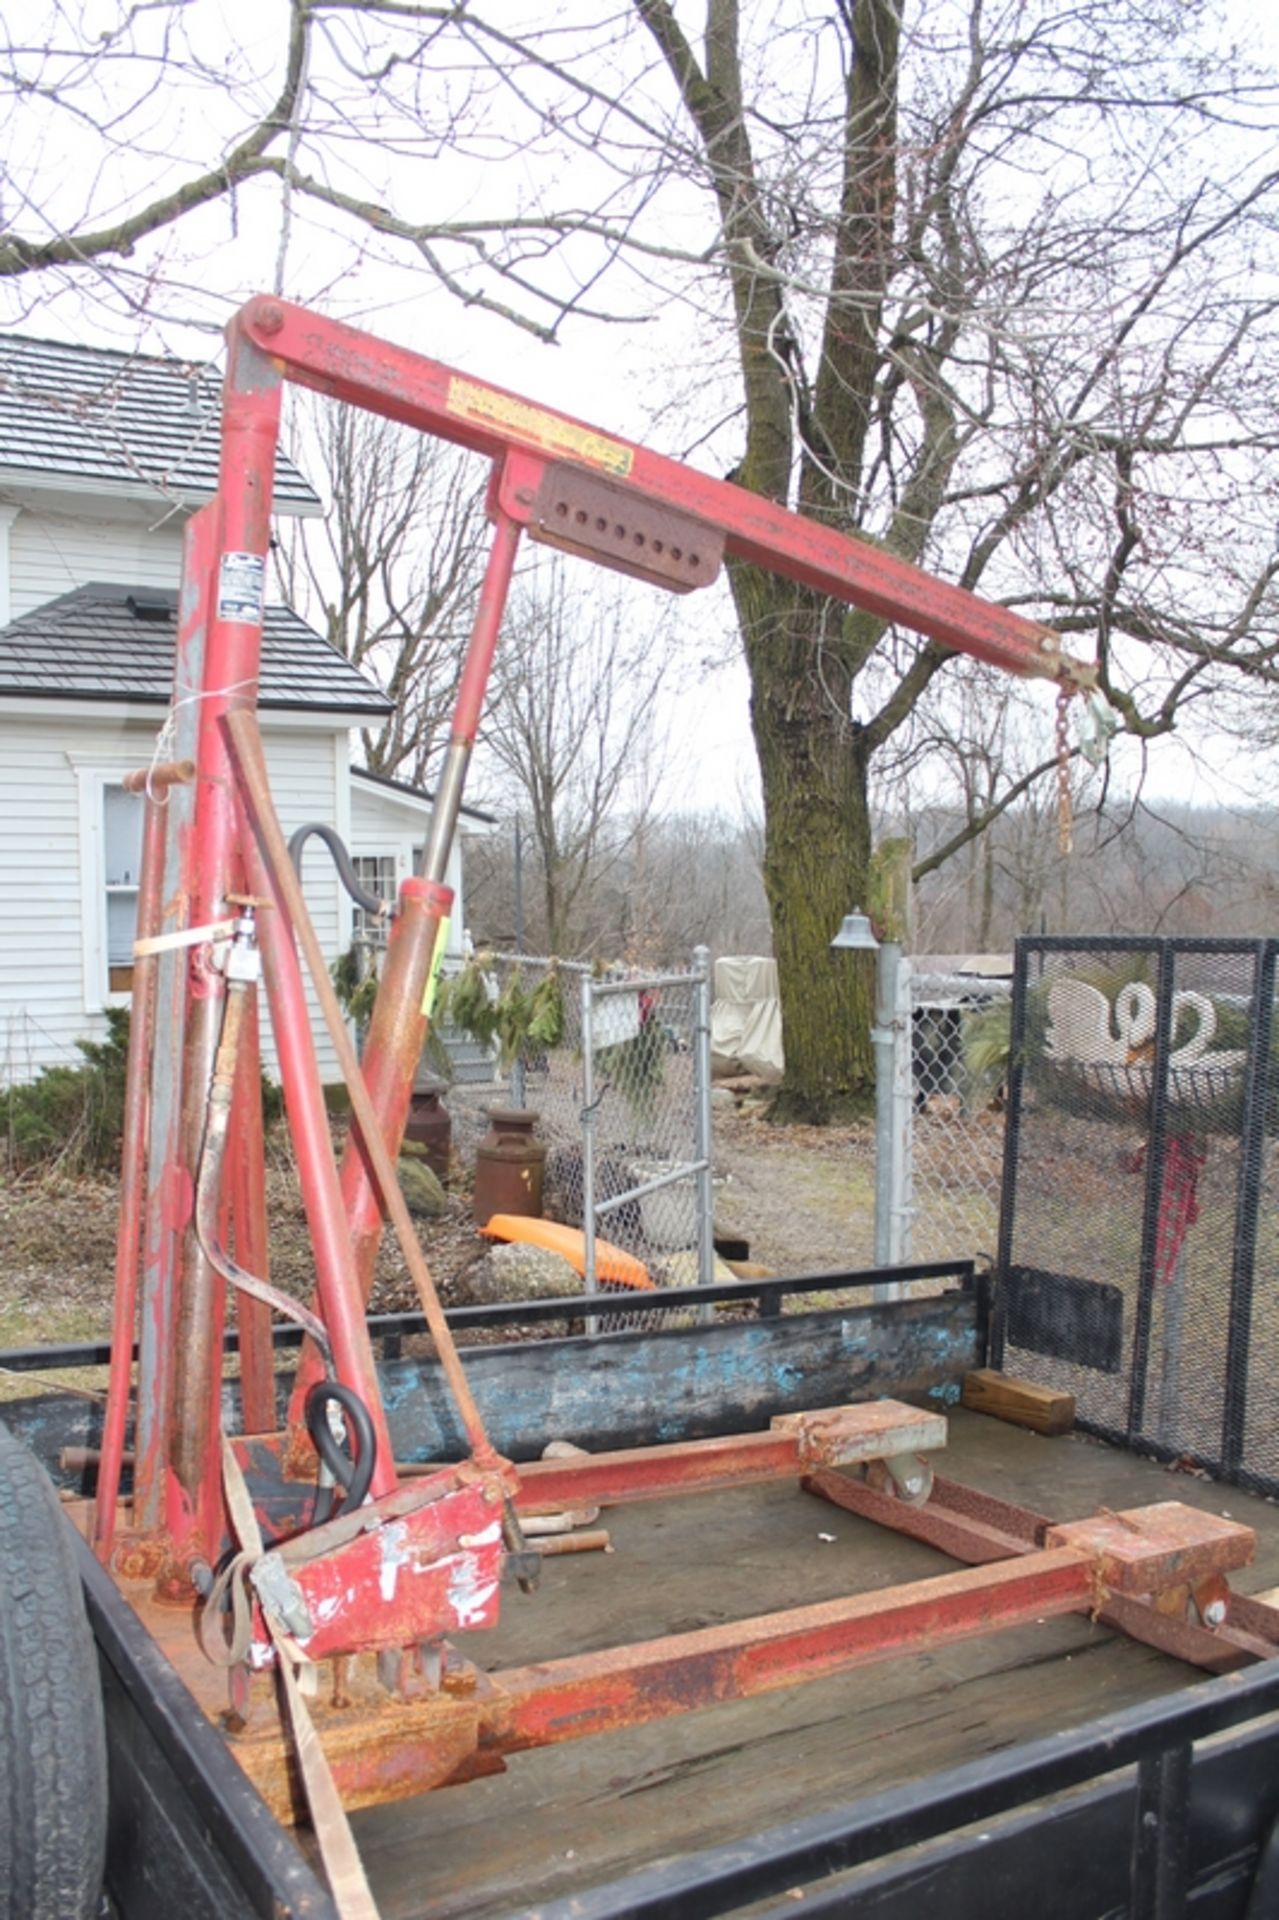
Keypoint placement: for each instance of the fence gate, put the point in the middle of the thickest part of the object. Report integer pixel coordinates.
(623, 1104)
(1139, 1251)
(646, 1120)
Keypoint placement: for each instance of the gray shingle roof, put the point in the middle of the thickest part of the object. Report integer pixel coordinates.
(417, 793)
(106, 642)
(122, 419)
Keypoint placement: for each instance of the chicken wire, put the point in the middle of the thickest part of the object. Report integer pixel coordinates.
(1137, 1260)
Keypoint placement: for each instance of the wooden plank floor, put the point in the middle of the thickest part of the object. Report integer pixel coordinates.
(571, 1816)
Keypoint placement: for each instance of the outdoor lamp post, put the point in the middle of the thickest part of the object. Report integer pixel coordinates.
(890, 1037)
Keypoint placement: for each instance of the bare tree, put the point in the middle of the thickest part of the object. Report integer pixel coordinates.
(574, 725)
(305, 146)
(992, 283)
(393, 570)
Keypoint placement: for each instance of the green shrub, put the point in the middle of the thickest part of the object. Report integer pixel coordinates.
(72, 1116)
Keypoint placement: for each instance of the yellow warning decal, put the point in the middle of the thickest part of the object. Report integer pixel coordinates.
(537, 428)
(437, 967)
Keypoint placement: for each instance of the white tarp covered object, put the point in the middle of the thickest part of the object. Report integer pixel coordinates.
(746, 1017)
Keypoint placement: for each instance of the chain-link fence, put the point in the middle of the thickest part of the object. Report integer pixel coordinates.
(1137, 1260)
(626, 1112)
(957, 1121)
(805, 1197)
(623, 1111)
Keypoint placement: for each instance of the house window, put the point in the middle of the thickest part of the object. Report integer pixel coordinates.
(379, 873)
(121, 859)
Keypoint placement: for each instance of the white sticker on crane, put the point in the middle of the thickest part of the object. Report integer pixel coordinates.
(241, 588)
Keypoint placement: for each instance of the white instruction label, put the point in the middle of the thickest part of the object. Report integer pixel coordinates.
(241, 588)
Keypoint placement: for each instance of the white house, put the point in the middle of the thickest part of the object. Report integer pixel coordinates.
(103, 455)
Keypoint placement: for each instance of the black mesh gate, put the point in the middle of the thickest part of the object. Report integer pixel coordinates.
(1139, 1249)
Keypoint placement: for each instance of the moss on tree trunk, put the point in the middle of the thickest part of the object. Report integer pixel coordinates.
(817, 843)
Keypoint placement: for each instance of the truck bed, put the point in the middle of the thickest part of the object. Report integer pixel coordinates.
(563, 1820)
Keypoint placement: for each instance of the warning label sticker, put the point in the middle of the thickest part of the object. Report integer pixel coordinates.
(241, 588)
(536, 428)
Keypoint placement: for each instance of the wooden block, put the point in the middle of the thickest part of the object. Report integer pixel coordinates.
(749, 1270)
(1043, 1409)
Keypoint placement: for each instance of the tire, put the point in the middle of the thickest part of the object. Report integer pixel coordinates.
(53, 1767)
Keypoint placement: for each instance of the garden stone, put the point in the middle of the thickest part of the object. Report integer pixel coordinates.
(517, 1272)
(423, 1194)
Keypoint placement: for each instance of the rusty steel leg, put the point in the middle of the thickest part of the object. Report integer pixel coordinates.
(566, 1699)
(133, 1175)
(971, 1537)
(247, 1165)
(168, 1183)
(977, 1528)
(194, 1516)
(794, 1444)
(653, 1473)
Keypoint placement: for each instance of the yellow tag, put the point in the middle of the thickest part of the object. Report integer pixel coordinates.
(522, 421)
(437, 967)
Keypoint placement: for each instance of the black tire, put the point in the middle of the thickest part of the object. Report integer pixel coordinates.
(53, 1765)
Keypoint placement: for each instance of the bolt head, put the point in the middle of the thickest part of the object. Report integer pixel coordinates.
(270, 319)
(1215, 1613)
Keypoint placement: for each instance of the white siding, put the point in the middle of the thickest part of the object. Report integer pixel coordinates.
(50, 553)
(384, 822)
(46, 870)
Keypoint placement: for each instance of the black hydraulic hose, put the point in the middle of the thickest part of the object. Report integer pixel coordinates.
(352, 1472)
(371, 902)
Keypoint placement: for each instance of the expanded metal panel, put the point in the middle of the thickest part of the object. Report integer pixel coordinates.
(1137, 1265)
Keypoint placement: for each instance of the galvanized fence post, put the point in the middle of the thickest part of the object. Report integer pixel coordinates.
(902, 1193)
(703, 1121)
(589, 1274)
(890, 1144)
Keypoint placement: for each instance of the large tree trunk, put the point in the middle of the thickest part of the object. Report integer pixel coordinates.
(817, 846)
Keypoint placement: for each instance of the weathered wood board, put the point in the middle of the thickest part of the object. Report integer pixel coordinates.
(572, 1816)
(624, 1389)
(628, 1388)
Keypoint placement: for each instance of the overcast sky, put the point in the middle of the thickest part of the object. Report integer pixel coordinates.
(617, 376)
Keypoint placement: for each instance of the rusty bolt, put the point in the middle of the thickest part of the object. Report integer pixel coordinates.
(524, 495)
(270, 319)
(459, 1681)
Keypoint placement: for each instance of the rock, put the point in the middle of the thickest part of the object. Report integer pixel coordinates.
(723, 1100)
(680, 1270)
(518, 1272)
(422, 1191)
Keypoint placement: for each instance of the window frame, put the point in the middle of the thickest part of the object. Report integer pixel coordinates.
(94, 782)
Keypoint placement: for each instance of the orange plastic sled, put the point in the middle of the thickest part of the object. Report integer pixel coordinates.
(613, 1265)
